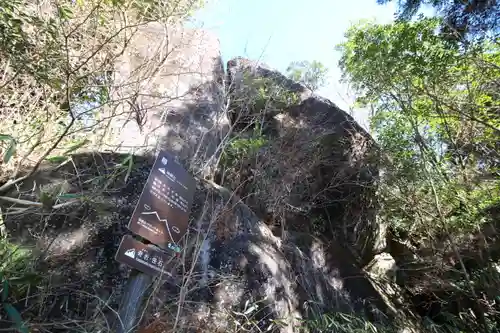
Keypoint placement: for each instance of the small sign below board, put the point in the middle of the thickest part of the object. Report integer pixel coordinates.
(162, 212)
(144, 258)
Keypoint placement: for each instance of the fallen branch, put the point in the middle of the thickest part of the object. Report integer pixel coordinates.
(21, 201)
(37, 204)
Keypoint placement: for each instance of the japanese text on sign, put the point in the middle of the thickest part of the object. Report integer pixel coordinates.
(162, 213)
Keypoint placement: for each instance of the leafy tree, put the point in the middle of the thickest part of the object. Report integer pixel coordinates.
(475, 17)
(436, 117)
(311, 74)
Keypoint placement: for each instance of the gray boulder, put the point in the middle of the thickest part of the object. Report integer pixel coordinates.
(171, 84)
(257, 280)
(317, 172)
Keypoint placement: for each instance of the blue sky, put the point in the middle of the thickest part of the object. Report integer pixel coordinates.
(281, 31)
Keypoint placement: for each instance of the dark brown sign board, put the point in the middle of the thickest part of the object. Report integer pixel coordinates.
(162, 212)
(144, 258)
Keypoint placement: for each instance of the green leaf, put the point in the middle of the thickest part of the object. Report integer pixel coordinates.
(76, 146)
(130, 166)
(15, 316)
(6, 137)
(127, 160)
(56, 159)
(65, 13)
(69, 196)
(11, 150)
(25, 280)
(5, 290)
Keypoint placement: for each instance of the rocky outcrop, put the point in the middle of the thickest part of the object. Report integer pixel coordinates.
(317, 171)
(233, 273)
(257, 91)
(245, 266)
(171, 84)
(314, 176)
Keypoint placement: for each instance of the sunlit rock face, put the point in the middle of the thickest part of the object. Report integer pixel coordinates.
(171, 84)
(243, 268)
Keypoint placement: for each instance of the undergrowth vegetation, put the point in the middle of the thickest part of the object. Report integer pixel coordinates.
(59, 96)
(17, 276)
(258, 100)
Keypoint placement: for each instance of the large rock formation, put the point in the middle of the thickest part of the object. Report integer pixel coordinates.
(317, 171)
(235, 273)
(243, 265)
(171, 84)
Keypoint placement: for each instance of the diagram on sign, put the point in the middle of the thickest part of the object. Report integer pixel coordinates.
(171, 176)
(130, 253)
(165, 222)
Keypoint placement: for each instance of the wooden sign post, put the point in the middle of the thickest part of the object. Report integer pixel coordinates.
(161, 216)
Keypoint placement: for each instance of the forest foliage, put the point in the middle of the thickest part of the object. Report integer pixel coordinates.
(435, 112)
